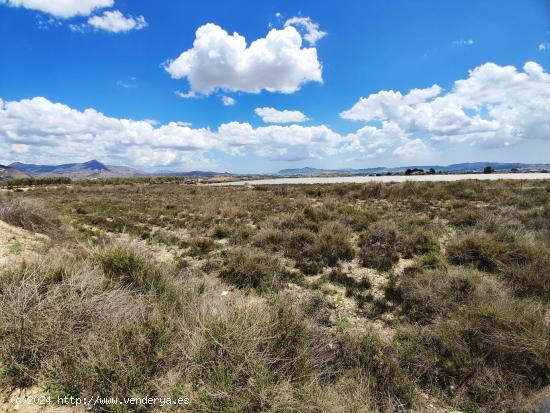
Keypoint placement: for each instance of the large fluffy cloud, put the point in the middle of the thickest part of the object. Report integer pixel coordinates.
(272, 115)
(38, 130)
(115, 22)
(218, 60)
(61, 8)
(494, 106)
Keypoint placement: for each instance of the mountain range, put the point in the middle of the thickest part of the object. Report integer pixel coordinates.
(90, 169)
(97, 169)
(454, 168)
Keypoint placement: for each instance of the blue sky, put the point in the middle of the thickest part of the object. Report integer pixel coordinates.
(58, 61)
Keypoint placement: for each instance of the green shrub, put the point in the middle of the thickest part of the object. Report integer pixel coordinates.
(379, 246)
(199, 247)
(370, 357)
(248, 269)
(298, 243)
(298, 246)
(490, 253)
(476, 343)
(418, 241)
(128, 267)
(333, 244)
(356, 218)
(221, 232)
(255, 358)
(269, 238)
(531, 279)
(242, 234)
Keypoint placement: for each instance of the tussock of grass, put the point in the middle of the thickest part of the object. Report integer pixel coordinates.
(249, 269)
(472, 340)
(379, 246)
(333, 244)
(201, 246)
(523, 263)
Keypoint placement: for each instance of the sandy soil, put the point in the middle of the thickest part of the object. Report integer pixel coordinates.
(17, 243)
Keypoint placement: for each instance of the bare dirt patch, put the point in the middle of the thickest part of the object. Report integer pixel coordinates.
(17, 243)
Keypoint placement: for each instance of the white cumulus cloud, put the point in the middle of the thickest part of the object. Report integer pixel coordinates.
(115, 22)
(218, 60)
(312, 32)
(61, 8)
(57, 132)
(495, 106)
(272, 115)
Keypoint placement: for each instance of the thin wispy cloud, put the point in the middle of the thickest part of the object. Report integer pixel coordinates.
(129, 83)
(463, 42)
(312, 31)
(186, 95)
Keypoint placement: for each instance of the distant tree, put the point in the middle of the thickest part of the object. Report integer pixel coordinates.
(431, 171)
(488, 170)
(415, 171)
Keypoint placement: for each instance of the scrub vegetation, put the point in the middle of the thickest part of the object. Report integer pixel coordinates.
(373, 297)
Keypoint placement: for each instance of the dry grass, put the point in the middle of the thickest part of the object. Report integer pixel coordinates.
(257, 305)
(30, 215)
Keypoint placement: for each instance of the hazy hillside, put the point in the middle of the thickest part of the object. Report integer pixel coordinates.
(10, 173)
(90, 169)
(454, 168)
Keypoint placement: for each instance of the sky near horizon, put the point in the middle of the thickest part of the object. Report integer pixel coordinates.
(257, 86)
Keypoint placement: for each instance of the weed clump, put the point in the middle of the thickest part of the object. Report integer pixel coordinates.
(472, 339)
(128, 267)
(30, 215)
(522, 263)
(333, 244)
(221, 231)
(199, 247)
(379, 246)
(249, 269)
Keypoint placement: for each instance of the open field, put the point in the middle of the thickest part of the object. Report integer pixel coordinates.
(413, 296)
(389, 178)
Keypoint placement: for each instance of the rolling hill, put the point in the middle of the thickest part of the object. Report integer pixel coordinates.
(10, 173)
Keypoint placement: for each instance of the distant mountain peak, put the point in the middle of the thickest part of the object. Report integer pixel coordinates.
(95, 164)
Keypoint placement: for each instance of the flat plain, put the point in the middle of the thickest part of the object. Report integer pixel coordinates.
(357, 297)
